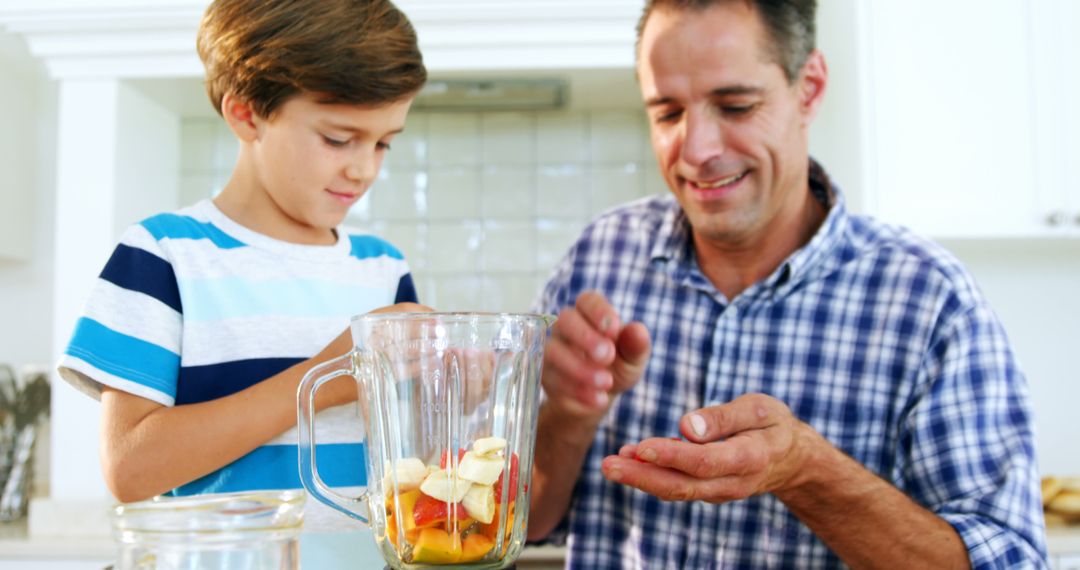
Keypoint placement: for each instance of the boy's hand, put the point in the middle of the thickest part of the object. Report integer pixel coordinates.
(343, 390)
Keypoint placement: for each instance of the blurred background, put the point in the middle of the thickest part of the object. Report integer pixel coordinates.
(955, 118)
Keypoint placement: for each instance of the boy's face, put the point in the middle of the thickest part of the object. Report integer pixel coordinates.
(315, 160)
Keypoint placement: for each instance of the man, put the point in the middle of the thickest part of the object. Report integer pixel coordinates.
(843, 392)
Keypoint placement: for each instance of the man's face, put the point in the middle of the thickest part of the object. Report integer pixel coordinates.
(315, 160)
(729, 131)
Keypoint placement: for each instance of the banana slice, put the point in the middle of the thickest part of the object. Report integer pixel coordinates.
(442, 485)
(482, 470)
(488, 446)
(409, 473)
(479, 502)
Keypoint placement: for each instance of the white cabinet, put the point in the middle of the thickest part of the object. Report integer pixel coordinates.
(1056, 78)
(970, 130)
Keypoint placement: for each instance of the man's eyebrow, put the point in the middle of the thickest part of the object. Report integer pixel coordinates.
(737, 90)
(718, 92)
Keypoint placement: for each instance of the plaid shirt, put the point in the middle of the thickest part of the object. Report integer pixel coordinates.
(877, 338)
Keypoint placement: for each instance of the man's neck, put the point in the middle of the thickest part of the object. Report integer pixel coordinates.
(732, 267)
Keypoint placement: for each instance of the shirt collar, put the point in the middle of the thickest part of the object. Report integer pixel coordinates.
(673, 248)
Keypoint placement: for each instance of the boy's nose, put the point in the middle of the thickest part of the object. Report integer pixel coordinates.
(362, 168)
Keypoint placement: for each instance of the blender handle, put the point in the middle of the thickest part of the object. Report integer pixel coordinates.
(355, 507)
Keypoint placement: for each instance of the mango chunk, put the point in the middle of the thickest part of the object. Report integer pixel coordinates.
(475, 547)
(436, 546)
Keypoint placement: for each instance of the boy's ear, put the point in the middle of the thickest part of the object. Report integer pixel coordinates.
(240, 117)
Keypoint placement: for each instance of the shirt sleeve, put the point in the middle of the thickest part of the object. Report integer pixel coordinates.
(969, 444)
(128, 336)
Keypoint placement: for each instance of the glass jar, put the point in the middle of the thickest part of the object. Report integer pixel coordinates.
(236, 531)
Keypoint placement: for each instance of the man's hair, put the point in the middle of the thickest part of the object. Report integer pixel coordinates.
(345, 51)
(789, 23)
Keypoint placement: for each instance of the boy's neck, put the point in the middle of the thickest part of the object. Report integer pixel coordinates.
(257, 212)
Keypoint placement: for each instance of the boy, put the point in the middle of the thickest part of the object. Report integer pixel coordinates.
(203, 321)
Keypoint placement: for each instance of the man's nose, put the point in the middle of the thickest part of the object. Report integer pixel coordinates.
(703, 138)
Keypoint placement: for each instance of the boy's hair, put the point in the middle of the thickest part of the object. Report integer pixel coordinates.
(345, 51)
(789, 23)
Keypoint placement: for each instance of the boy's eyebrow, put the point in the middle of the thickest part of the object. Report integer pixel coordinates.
(718, 92)
(359, 130)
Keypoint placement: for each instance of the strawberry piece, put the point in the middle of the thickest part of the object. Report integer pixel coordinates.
(430, 511)
(513, 481)
(446, 456)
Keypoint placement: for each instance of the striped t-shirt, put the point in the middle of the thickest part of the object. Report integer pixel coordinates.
(193, 306)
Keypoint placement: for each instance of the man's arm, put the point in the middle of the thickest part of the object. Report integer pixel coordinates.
(148, 449)
(589, 359)
(753, 445)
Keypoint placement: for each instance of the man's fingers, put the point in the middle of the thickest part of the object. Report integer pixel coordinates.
(672, 485)
(576, 331)
(633, 346)
(743, 454)
(748, 412)
(568, 374)
(599, 313)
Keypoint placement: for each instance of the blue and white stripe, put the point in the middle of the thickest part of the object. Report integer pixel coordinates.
(192, 307)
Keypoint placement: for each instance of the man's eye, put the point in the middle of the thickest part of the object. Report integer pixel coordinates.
(737, 110)
(334, 142)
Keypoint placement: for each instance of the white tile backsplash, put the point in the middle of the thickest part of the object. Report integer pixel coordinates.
(453, 193)
(483, 205)
(614, 185)
(562, 138)
(508, 138)
(509, 192)
(509, 246)
(454, 247)
(399, 194)
(453, 139)
(617, 136)
(562, 191)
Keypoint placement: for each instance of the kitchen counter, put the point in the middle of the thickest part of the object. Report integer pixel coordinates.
(1062, 542)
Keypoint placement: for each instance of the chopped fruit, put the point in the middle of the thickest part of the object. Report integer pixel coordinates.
(408, 502)
(443, 485)
(436, 546)
(492, 530)
(446, 455)
(429, 512)
(488, 446)
(391, 528)
(475, 547)
(513, 481)
(482, 470)
(408, 473)
(480, 503)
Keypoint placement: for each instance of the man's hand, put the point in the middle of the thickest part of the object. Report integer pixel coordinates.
(591, 358)
(749, 446)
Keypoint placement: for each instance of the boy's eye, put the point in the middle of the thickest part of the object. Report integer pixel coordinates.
(383, 145)
(334, 142)
(668, 116)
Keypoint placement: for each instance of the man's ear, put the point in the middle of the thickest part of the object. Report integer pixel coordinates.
(812, 81)
(241, 118)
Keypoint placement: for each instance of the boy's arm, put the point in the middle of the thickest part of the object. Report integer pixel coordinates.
(148, 449)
